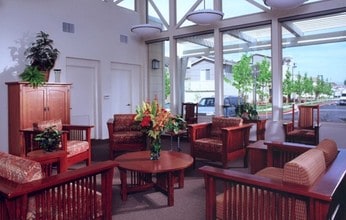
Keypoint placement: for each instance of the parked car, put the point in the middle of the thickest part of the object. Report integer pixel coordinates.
(342, 100)
(207, 105)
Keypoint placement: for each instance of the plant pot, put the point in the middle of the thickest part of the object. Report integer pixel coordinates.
(46, 75)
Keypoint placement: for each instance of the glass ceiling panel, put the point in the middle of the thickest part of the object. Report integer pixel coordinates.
(238, 8)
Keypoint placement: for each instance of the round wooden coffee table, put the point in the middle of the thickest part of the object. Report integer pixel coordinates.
(140, 169)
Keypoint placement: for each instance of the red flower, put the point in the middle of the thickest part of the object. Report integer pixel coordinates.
(146, 121)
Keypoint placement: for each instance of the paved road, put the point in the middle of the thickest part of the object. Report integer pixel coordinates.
(329, 113)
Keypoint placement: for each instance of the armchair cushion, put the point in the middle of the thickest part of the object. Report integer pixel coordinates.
(305, 168)
(127, 137)
(222, 122)
(329, 149)
(209, 145)
(19, 169)
(41, 125)
(274, 173)
(125, 122)
(75, 147)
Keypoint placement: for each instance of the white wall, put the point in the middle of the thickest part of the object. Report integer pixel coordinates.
(98, 26)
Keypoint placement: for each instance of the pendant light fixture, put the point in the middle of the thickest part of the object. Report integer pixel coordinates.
(283, 4)
(204, 16)
(144, 30)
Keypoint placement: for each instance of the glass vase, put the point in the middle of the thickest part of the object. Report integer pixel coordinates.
(155, 148)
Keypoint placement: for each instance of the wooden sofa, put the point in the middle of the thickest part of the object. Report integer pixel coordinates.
(84, 193)
(125, 135)
(309, 186)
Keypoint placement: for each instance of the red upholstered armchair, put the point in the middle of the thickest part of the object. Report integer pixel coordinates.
(223, 140)
(306, 131)
(75, 140)
(125, 135)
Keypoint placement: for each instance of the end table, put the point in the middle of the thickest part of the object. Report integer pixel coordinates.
(47, 159)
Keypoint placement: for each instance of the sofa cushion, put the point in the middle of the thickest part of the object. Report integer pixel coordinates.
(128, 137)
(46, 124)
(329, 149)
(75, 147)
(305, 168)
(223, 122)
(125, 122)
(19, 169)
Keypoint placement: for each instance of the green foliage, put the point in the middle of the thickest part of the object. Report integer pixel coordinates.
(263, 79)
(49, 139)
(32, 75)
(167, 84)
(287, 88)
(41, 53)
(176, 124)
(247, 111)
(242, 76)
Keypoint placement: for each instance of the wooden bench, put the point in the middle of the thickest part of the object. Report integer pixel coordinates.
(251, 196)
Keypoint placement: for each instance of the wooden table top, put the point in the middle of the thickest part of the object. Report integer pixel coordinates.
(140, 161)
(42, 155)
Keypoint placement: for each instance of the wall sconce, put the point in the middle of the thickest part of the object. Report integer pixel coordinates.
(155, 64)
(57, 73)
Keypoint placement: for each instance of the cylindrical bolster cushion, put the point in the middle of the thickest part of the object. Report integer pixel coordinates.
(329, 149)
(305, 168)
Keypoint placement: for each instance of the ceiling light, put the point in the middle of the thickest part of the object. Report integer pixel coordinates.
(283, 4)
(204, 16)
(144, 30)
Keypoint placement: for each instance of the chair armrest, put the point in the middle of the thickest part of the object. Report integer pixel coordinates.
(288, 126)
(230, 134)
(16, 194)
(197, 131)
(110, 125)
(78, 132)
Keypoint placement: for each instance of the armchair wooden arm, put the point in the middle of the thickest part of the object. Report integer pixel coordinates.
(197, 131)
(69, 194)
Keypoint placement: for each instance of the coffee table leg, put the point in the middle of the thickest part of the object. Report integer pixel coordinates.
(170, 188)
(123, 184)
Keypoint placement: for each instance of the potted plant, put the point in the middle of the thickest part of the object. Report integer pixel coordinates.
(175, 124)
(32, 75)
(42, 54)
(49, 139)
(247, 112)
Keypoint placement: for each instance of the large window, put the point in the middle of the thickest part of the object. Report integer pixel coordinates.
(314, 51)
(247, 71)
(195, 60)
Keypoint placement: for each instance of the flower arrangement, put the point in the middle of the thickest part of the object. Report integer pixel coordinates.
(153, 120)
(152, 117)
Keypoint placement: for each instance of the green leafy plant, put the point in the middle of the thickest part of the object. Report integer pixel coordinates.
(32, 75)
(41, 53)
(49, 139)
(247, 111)
(175, 124)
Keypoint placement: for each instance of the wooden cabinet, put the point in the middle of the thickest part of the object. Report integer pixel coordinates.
(27, 105)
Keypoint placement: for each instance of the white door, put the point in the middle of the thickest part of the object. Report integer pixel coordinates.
(81, 73)
(125, 88)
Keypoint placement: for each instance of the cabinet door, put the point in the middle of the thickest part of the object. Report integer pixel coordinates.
(33, 105)
(58, 103)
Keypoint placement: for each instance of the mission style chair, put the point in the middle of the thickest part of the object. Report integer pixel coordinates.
(189, 112)
(125, 135)
(75, 140)
(223, 139)
(306, 131)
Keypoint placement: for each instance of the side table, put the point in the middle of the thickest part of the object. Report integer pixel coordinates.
(257, 153)
(178, 135)
(47, 159)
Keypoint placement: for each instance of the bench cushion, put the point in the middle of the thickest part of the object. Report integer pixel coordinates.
(274, 173)
(19, 169)
(223, 122)
(305, 168)
(329, 149)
